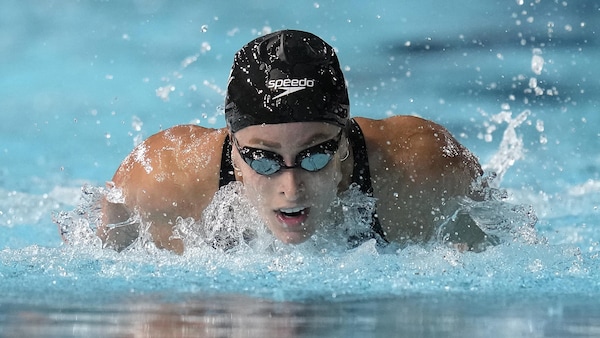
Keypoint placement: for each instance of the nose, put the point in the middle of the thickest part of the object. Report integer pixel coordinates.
(291, 184)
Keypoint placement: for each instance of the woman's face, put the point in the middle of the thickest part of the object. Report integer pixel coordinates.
(292, 202)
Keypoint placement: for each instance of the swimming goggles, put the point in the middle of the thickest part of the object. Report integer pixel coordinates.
(267, 163)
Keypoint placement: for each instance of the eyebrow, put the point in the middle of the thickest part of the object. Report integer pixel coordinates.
(320, 137)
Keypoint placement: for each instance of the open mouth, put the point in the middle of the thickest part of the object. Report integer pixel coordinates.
(293, 217)
(293, 212)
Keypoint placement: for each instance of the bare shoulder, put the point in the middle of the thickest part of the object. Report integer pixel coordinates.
(419, 147)
(415, 165)
(175, 167)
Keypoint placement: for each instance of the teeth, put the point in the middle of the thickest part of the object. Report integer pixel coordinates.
(292, 210)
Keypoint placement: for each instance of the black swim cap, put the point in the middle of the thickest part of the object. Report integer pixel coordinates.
(286, 76)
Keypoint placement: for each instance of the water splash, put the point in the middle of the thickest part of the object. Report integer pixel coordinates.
(511, 147)
(321, 268)
(231, 221)
(78, 226)
(228, 221)
(230, 250)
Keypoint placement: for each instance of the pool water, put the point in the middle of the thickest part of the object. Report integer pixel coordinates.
(515, 81)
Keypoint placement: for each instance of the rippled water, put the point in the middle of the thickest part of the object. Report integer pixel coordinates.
(514, 81)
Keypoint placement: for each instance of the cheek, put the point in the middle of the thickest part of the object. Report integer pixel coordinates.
(333, 174)
(254, 185)
(260, 192)
(324, 185)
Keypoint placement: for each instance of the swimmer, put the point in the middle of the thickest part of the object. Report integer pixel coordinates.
(291, 142)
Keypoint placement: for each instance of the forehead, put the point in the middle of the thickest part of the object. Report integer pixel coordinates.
(283, 135)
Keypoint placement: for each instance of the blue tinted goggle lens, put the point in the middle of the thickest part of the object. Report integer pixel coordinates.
(268, 163)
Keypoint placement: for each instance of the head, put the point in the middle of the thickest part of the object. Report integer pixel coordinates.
(286, 109)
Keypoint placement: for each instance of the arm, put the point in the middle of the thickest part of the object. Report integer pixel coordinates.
(172, 174)
(418, 168)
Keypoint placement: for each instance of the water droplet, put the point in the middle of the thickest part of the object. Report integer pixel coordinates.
(539, 125)
(205, 47)
(537, 64)
(136, 123)
(533, 82)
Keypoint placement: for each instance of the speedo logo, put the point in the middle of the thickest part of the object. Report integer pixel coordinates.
(290, 85)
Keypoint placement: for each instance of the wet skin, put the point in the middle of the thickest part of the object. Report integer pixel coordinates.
(416, 168)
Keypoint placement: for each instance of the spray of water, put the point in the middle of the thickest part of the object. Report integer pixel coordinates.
(511, 146)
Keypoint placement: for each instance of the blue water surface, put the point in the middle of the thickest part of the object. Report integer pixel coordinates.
(515, 81)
